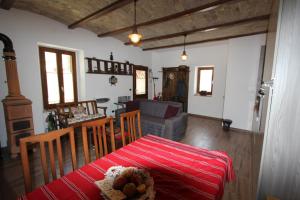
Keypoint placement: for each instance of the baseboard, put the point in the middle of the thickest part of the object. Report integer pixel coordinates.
(220, 120)
(241, 130)
(205, 117)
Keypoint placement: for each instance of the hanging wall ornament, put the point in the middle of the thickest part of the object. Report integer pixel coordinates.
(113, 80)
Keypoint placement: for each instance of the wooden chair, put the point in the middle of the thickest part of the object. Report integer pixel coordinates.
(63, 111)
(42, 139)
(98, 128)
(90, 106)
(132, 129)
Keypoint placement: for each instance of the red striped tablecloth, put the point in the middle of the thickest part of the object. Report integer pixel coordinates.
(180, 172)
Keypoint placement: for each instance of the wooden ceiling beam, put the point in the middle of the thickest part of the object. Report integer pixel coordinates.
(218, 26)
(7, 4)
(103, 11)
(167, 18)
(204, 41)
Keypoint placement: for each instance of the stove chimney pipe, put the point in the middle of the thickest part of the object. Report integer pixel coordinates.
(8, 45)
(11, 68)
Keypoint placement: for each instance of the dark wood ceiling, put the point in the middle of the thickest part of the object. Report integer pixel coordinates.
(162, 22)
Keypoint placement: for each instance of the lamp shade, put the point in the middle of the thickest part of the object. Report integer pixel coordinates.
(184, 56)
(135, 37)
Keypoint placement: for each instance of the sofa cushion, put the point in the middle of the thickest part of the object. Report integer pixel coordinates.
(171, 112)
(153, 108)
(152, 119)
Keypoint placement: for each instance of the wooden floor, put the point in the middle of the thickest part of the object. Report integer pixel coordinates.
(244, 148)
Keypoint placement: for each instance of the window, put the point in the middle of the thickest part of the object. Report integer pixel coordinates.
(205, 80)
(58, 74)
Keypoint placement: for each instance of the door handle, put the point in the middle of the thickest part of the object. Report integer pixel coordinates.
(268, 84)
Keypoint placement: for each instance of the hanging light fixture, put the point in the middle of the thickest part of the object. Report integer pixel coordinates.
(135, 37)
(184, 55)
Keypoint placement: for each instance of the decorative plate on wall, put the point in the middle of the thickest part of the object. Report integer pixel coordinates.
(113, 80)
(171, 76)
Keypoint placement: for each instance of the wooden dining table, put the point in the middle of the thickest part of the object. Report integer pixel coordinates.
(179, 171)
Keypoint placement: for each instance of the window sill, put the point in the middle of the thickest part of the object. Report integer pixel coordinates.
(199, 95)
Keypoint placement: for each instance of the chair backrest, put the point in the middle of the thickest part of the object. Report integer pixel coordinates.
(133, 120)
(99, 133)
(64, 110)
(42, 139)
(90, 106)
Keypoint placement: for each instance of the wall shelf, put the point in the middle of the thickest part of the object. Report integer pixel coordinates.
(99, 66)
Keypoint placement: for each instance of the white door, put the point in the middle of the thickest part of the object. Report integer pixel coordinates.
(280, 167)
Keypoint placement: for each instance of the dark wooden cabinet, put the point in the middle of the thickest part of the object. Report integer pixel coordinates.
(176, 85)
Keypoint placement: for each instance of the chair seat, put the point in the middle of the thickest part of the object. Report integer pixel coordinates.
(119, 135)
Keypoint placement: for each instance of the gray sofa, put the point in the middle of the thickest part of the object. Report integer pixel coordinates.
(153, 122)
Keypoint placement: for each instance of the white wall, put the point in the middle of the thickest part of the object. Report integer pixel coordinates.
(236, 64)
(27, 30)
(241, 82)
(198, 55)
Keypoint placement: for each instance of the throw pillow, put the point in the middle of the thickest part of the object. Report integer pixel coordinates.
(171, 111)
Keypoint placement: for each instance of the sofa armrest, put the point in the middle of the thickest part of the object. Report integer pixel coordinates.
(176, 126)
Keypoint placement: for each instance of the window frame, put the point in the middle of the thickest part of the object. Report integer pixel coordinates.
(58, 53)
(198, 80)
